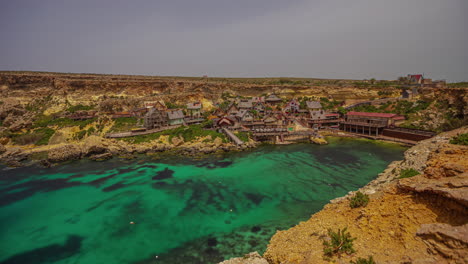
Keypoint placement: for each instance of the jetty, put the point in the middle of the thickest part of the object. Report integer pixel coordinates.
(233, 137)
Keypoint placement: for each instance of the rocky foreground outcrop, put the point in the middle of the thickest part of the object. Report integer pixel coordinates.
(422, 219)
(98, 149)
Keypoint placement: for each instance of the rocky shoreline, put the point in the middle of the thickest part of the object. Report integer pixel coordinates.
(422, 219)
(99, 149)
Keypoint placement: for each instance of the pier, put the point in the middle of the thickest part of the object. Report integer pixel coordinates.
(232, 136)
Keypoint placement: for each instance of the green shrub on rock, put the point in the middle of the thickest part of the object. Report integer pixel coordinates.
(340, 242)
(461, 139)
(408, 173)
(359, 200)
(369, 260)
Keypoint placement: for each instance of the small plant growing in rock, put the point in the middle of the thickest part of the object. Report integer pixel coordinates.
(369, 260)
(461, 139)
(359, 200)
(408, 173)
(340, 242)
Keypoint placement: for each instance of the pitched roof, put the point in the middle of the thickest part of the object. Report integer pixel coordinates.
(245, 103)
(387, 115)
(175, 114)
(313, 104)
(272, 98)
(195, 105)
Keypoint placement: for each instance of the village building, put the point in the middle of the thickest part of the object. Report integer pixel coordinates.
(175, 117)
(260, 99)
(292, 107)
(317, 114)
(232, 110)
(271, 121)
(272, 99)
(245, 116)
(314, 105)
(155, 104)
(139, 112)
(415, 78)
(121, 114)
(245, 104)
(259, 107)
(227, 121)
(194, 110)
(155, 118)
(407, 94)
(368, 123)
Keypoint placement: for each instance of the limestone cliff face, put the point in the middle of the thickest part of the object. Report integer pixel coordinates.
(422, 219)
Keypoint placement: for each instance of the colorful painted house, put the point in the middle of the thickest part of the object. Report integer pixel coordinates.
(194, 110)
(175, 117)
(291, 107)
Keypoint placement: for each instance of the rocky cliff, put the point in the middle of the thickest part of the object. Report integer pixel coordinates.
(422, 219)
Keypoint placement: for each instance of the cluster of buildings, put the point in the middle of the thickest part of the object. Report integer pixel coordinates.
(159, 116)
(271, 112)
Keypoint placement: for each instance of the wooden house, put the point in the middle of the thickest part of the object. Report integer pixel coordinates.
(271, 121)
(175, 117)
(407, 94)
(415, 78)
(273, 99)
(292, 107)
(232, 110)
(259, 107)
(368, 123)
(314, 105)
(194, 110)
(227, 121)
(155, 118)
(317, 114)
(245, 104)
(245, 116)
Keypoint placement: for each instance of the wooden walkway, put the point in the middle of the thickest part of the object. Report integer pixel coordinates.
(233, 137)
(147, 132)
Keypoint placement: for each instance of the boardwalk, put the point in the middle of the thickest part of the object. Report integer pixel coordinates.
(132, 134)
(233, 137)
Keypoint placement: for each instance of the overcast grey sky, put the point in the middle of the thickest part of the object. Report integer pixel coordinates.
(359, 39)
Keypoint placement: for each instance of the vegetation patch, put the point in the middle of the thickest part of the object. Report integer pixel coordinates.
(461, 139)
(341, 242)
(124, 124)
(188, 133)
(359, 200)
(39, 136)
(408, 173)
(369, 260)
(44, 121)
(79, 107)
(244, 136)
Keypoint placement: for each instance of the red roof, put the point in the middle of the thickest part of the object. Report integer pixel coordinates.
(416, 76)
(387, 115)
(332, 114)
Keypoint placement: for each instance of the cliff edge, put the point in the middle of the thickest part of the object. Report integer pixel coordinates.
(421, 219)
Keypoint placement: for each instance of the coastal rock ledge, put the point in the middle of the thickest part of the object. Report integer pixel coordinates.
(422, 219)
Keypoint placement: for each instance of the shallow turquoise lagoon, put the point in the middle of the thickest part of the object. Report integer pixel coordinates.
(183, 210)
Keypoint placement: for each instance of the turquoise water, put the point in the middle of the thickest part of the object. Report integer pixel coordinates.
(183, 210)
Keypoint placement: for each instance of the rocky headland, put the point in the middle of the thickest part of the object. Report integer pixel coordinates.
(421, 219)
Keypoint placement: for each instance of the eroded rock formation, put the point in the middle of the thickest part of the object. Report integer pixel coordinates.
(422, 219)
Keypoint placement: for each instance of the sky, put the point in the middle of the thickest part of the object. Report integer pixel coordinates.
(349, 39)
